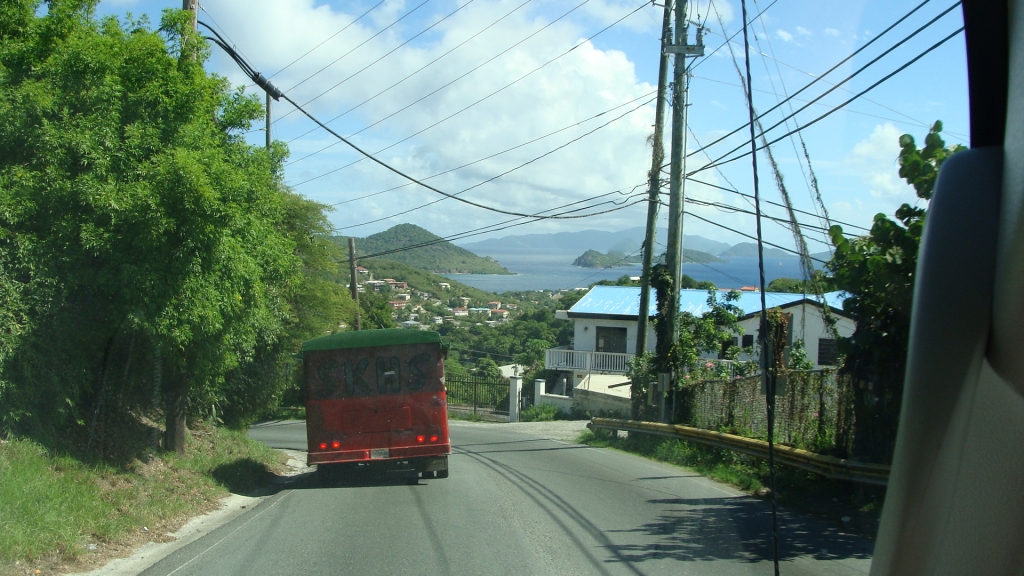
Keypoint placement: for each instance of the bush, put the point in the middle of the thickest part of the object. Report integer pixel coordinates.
(541, 413)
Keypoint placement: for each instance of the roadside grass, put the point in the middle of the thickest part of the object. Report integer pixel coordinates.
(807, 492)
(57, 510)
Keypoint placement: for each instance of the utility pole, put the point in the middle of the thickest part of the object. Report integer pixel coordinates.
(674, 254)
(351, 266)
(193, 7)
(268, 121)
(654, 187)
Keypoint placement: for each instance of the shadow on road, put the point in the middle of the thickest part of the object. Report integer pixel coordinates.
(736, 528)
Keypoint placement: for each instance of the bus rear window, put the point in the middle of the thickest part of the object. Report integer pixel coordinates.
(375, 371)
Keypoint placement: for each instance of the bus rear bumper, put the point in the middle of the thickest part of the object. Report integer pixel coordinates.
(394, 454)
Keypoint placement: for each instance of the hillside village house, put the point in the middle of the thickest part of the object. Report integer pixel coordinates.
(605, 323)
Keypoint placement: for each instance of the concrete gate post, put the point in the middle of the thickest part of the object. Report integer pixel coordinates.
(515, 390)
(538, 389)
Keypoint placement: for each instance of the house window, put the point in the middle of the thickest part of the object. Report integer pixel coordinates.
(611, 340)
(828, 352)
(748, 340)
(726, 344)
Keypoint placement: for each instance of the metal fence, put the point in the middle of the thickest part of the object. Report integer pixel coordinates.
(814, 413)
(478, 393)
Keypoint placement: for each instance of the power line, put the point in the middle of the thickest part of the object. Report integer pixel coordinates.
(493, 178)
(420, 69)
(745, 235)
(780, 205)
(338, 59)
(386, 54)
(276, 93)
(719, 161)
(862, 113)
(447, 84)
(310, 51)
(710, 2)
(450, 116)
(497, 153)
(512, 223)
(830, 70)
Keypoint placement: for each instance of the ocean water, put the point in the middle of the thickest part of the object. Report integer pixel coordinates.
(553, 270)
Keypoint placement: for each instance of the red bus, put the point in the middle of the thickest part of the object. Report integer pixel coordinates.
(377, 397)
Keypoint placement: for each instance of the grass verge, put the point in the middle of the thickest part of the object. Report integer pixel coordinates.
(58, 512)
(860, 505)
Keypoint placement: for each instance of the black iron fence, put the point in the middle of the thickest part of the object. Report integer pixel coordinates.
(815, 412)
(478, 393)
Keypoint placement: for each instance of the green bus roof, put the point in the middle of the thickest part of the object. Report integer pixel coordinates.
(371, 338)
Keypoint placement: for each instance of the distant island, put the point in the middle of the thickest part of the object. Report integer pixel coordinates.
(749, 250)
(613, 258)
(433, 253)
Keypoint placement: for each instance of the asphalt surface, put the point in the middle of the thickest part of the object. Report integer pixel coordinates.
(515, 503)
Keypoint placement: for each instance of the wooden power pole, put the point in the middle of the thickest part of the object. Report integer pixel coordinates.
(654, 188)
(352, 268)
(193, 7)
(677, 176)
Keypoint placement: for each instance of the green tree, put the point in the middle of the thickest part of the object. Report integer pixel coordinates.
(132, 211)
(375, 311)
(487, 368)
(877, 270)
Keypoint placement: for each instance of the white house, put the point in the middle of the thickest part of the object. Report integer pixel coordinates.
(605, 324)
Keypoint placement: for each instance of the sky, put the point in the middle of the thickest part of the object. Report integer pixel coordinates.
(527, 106)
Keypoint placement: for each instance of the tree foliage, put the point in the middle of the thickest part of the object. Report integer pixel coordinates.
(877, 270)
(133, 216)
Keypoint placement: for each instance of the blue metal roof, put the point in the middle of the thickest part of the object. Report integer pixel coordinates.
(624, 301)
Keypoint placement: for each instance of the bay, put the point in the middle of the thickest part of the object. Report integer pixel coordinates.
(553, 270)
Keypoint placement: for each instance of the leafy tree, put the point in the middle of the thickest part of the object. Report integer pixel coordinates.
(133, 215)
(375, 311)
(487, 368)
(877, 270)
(798, 286)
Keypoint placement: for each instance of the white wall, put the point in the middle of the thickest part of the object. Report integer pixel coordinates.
(585, 333)
(808, 325)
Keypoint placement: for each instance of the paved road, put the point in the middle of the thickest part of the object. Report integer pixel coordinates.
(515, 503)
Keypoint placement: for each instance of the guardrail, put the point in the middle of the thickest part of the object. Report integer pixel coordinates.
(828, 466)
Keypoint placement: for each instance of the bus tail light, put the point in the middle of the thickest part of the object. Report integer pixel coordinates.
(335, 445)
(433, 438)
(420, 439)
(323, 445)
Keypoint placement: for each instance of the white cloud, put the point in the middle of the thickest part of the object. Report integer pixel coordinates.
(783, 35)
(803, 31)
(581, 84)
(874, 158)
(832, 32)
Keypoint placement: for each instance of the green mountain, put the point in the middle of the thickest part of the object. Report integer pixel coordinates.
(595, 259)
(441, 257)
(749, 249)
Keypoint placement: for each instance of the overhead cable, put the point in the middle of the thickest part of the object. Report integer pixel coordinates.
(721, 159)
(379, 32)
(833, 68)
(385, 55)
(537, 139)
(460, 111)
(455, 196)
(325, 40)
(418, 70)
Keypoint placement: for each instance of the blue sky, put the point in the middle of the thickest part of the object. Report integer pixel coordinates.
(853, 151)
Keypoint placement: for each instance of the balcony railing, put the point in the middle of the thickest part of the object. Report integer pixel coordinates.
(586, 361)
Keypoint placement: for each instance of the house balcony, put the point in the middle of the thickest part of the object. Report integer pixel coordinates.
(565, 358)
